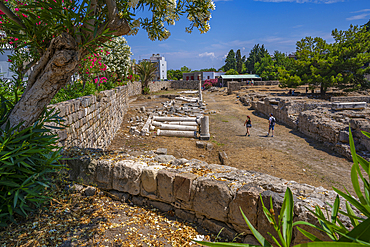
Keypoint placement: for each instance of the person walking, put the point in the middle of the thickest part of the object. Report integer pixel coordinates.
(248, 124)
(272, 122)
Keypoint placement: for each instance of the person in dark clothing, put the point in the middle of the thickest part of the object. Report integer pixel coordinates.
(248, 124)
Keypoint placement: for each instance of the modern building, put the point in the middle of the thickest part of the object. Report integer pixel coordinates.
(192, 76)
(240, 78)
(205, 75)
(161, 63)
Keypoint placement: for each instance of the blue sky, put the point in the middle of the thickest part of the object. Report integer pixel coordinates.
(240, 24)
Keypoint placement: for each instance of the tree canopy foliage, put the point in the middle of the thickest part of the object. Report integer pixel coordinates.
(230, 61)
(323, 65)
(256, 55)
(63, 32)
(269, 67)
(231, 72)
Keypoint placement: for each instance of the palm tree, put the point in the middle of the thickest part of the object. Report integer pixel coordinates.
(146, 71)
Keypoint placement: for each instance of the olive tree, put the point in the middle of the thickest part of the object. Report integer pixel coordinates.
(59, 33)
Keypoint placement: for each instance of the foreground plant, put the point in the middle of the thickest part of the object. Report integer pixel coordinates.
(333, 227)
(27, 158)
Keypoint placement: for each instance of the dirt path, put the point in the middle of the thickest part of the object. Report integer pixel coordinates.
(289, 154)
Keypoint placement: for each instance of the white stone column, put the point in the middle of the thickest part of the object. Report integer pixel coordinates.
(200, 92)
(179, 133)
(204, 128)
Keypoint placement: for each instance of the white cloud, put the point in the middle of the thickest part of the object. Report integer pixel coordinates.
(301, 1)
(358, 17)
(362, 10)
(207, 54)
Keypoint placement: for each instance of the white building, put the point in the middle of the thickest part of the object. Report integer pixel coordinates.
(5, 73)
(161, 66)
(206, 75)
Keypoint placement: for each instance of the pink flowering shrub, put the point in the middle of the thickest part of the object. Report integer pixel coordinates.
(210, 83)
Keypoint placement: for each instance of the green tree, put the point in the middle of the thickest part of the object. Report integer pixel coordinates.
(174, 74)
(231, 72)
(239, 61)
(367, 26)
(185, 69)
(266, 68)
(230, 62)
(147, 72)
(340, 64)
(256, 54)
(60, 33)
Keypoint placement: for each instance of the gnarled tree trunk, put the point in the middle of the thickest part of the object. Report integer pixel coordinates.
(50, 74)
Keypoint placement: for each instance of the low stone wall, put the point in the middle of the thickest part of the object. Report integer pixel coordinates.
(194, 84)
(318, 121)
(351, 99)
(235, 85)
(207, 194)
(266, 83)
(232, 86)
(93, 120)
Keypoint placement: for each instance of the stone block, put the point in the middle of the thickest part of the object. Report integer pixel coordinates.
(185, 215)
(247, 198)
(184, 189)
(149, 181)
(104, 176)
(219, 227)
(121, 196)
(90, 191)
(224, 158)
(209, 147)
(82, 168)
(161, 151)
(200, 144)
(212, 199)
(127, 176)
(138, 200)
(338, 106)
(165, 181)
(344, 136)
(302, 214)
(164, 207)
(164, 158)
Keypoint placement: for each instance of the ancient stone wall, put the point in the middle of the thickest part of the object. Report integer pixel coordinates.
(185, 84)
(93, 120)
(207, 194)
(319, 121)
(351, 99)
(232, 86)
(266, 83)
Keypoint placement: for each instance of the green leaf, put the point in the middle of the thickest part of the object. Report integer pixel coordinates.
(256, 234)
(9, 183)
(356, 184)
(352, 146)
(328, 244)
(334, 212)
(360, 232)
(287, 216)
(218, 244)
(363, 208)
(365, 133)
(309, 235)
